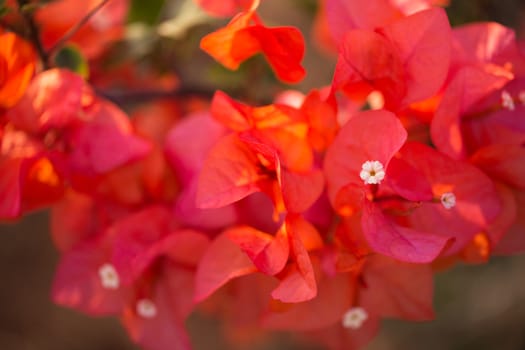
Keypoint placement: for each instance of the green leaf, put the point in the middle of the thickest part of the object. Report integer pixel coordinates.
(71, 58)
(145, 11)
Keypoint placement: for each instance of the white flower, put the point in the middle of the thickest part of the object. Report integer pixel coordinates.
(506, 101)
(146, 308)
(354, 318)
(448, 199)
(108, 276)
(372, 172)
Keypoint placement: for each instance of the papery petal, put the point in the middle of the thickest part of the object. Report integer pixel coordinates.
(223, 261)
(298, 283)
(10, 189)
(172, 299)
(268, 253)
(397, 289)
(423, 44)
(503, 162)
(401, 243)
(283, 47)
(101, 146)
(133, 235)
(17, 65)
(371, 135)
(230, 113)
(230, 173)
(77, 283)
(185, 152)
(478, 202)
(469, 86)
(368, 61)
(300, 191)
(52, 100)
(334, 297)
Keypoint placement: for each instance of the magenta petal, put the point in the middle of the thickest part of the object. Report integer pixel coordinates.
(77, 283)
(400, 243)
(300, 190)
(230, 173)
(223, 261)
(268, 253)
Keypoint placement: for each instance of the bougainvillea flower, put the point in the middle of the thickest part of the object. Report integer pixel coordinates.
(155, 320)
(475, 199)
(106, 26)
(222, 261)
(86, 280)
(108, 129)
(251, 250)
(186, 156)
(268, 153)
(485, 60)
(371, 139)
(31, 177)
(54, 99)
(335, 295)
(246, 36)
(405, 65)
(17, 64)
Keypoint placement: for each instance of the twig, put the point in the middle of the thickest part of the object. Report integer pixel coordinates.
(34, 35)
(127, 97)
(73, 30)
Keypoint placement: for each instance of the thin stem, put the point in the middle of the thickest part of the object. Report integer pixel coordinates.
(73, 30)
(126, 97)
(34, 35)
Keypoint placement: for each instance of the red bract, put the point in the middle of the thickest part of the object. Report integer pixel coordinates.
(247, 250)
(485, 58)
(404, 64)
(246, 36)
(141, 267)
(269, 153)
(31, 176)
(375, 137)
(17, 64)
(59, 107)
(186, 155)
(477, 203)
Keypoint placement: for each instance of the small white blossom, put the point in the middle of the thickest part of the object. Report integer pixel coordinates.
(506, 101)
(108, 276)
(354, 318)
(146, 308)
(372, 172)
(448, 199)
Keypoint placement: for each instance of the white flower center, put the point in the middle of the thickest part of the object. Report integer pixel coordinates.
(506, 101)
(354, 318)
(448, 199)
(108, 276)
(372, 172)
(146, 308)
(521, 96)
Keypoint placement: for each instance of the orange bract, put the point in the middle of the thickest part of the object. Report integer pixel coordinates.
(240, 39)
(17, 64)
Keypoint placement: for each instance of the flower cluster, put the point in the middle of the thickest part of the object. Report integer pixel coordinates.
(320, 213)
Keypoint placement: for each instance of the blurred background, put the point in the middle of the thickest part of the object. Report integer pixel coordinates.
(478, 307)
